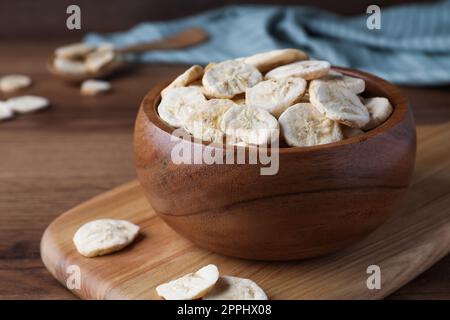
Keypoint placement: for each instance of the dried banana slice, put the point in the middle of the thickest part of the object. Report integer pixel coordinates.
(204, 123)
(308, 70)
(251, 125)
(266, 61)
(103, 236)
(5, 111)
(99, 58)
(178, 104)
(338, 103)
(26, 104)
(70, 66)
(74, 51)
(234, 288)
(303, 125)
(229, 78)
(275, 95)
(190, 75)
(349, 132)
(191, 286)
(94, 87)
(14, 82)
(356, 85)
(379, 109)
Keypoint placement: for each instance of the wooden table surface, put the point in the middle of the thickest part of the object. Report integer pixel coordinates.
(82, 146)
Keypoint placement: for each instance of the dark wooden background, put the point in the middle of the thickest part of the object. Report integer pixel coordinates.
(53, 160)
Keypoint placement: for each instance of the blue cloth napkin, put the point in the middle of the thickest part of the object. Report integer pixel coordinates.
(412, 46)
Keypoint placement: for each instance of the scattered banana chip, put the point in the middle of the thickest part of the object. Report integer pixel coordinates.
(234, 288)
(338, 103)
(308, 70)
(349, 132)
(178, 104)
(356, 85)
(204, 123)
(191, 286)
(5, 111)
(303, 125)
(94, 87)
(26, 104)
(99, 58)
(251, 125)
(379, 109)
(74, 67)
(229, 78)
(190, 75)
(103, 236)
(275, 95)
(266, 61)
(74, 51)
(14, 82)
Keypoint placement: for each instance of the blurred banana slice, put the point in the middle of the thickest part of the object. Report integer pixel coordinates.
(338, 103)
(178, 104)
(275, 95)
(74, 50)
(183, 80)
(251, 125)
(5, 111)
(303, 125)
(204, 123)
(191, 286)
(234, 288)
(379, 109)
(229, 78)
(14, 82)
(356, 85)
(308, 70)
(266, 61)
(26, 104)
(103, 236)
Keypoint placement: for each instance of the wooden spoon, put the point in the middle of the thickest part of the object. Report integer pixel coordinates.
(186, 38)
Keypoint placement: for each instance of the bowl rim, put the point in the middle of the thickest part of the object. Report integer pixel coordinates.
(396, 97)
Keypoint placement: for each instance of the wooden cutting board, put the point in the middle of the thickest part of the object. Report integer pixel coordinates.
(412, 240)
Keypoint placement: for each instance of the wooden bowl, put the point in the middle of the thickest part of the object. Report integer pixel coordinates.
(322, 199)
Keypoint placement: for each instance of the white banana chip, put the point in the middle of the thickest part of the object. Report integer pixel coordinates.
(99, 58)
(74, 51)
(14, 82)
(356, 85)
(268, 60)
(303, 125)
(251, 125)
(5, 111)
(94, 87)
(308, 70)
(191, 286)
(338, 103)
(26, 104)
(379, 109)
(275, 95)
(350, 132)
(234, 288)
(103, 236)
(178, 104)
(69, 66)
(204, 123)
(190, 75)
(229, 78)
